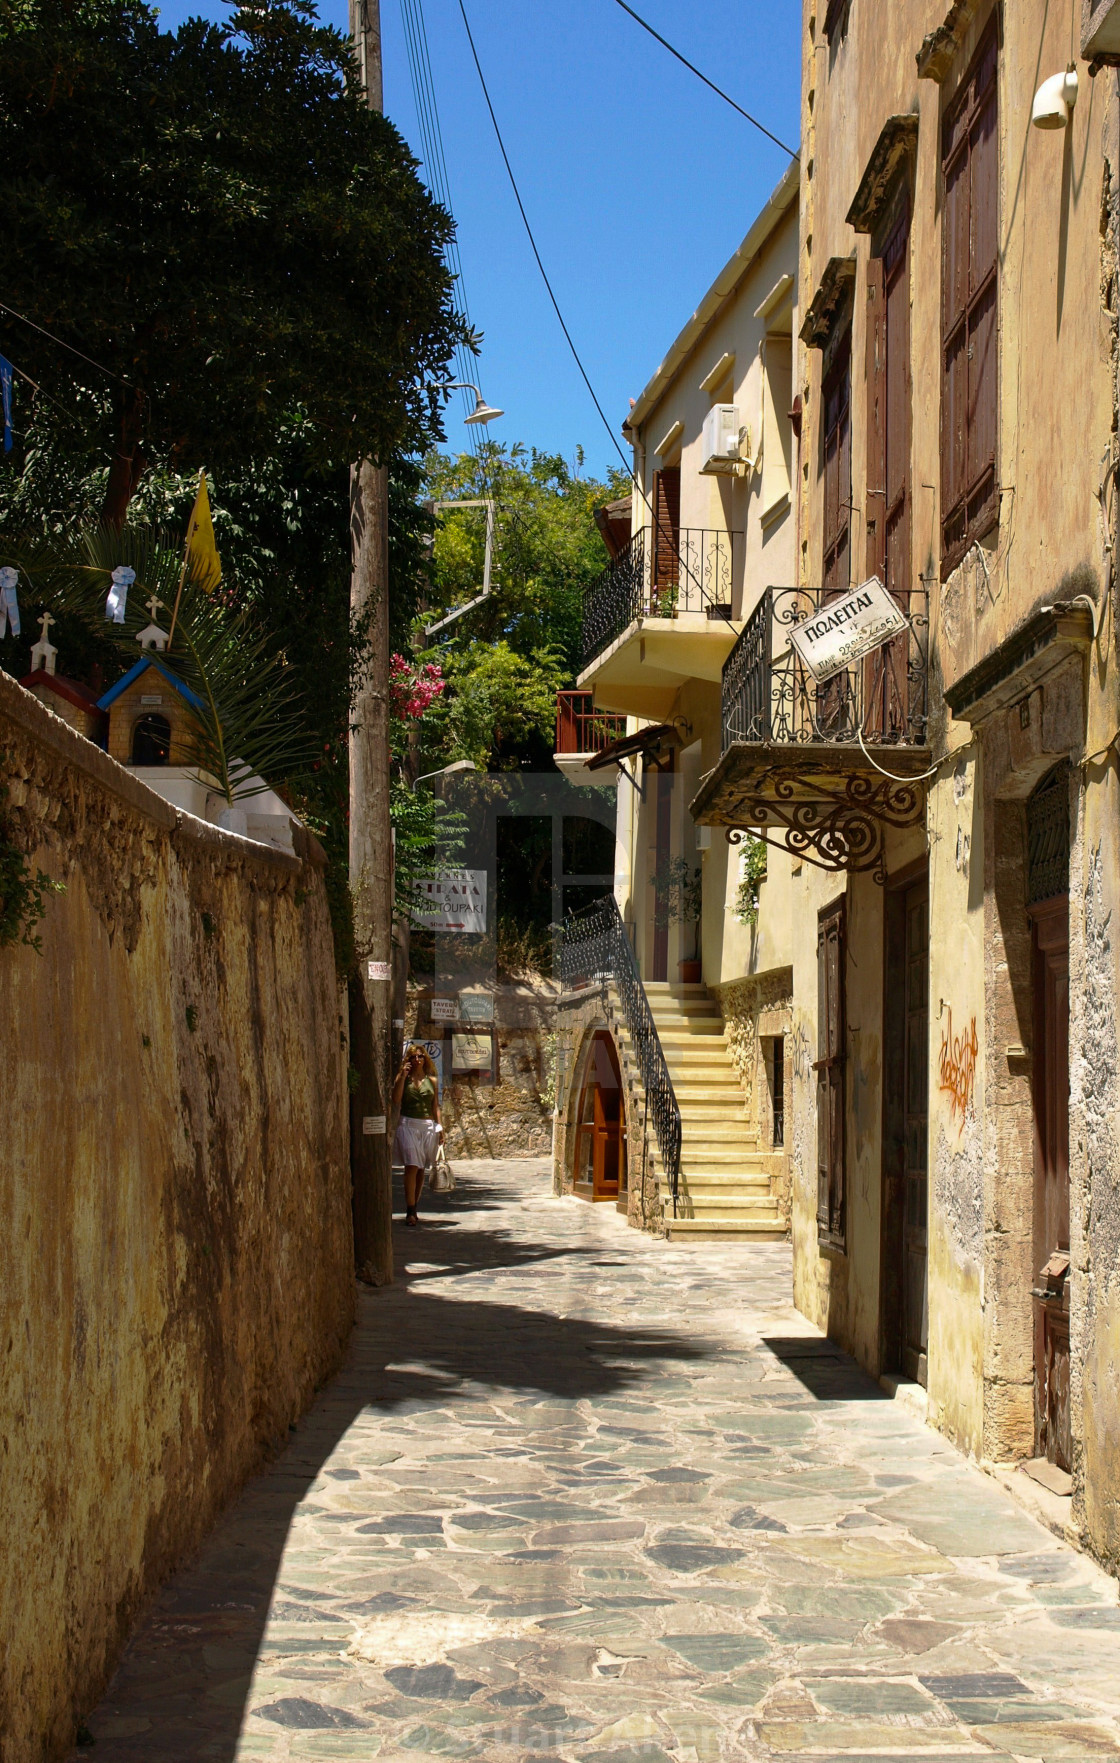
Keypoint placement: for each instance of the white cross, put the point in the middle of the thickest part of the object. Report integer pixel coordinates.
(153, 606)
(44, 628)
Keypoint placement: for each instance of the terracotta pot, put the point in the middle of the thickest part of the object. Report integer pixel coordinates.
(690, 973)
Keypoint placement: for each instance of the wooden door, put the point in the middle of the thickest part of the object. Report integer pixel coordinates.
(663, 851)
(666, 563)
(829, 1067)
(915, 1277)
(600, 1157)
(1050, 1022)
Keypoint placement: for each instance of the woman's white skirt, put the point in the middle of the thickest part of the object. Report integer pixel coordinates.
(416, 1143)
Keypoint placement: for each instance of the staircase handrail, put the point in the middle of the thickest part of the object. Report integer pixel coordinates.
(594, 948)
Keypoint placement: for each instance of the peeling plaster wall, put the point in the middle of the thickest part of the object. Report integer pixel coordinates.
(754, 1010)
(176, 1258)
(956, 1102)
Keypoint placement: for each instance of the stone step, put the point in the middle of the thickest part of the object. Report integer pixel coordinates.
(708, 1029)
(718, 1182)
(762, 1230)
(721, 1160)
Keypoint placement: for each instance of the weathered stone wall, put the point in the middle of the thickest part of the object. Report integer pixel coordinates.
(754, 1010)
(175, 1237)
(512, 1118)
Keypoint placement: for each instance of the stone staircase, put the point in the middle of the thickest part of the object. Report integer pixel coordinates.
(726, 1189)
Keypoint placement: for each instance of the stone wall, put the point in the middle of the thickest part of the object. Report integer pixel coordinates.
(513, 1117)
(755, 1010)
(175, 1235)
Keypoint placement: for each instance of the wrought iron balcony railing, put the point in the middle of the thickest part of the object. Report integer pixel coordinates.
(688, 569)
(769, 696)
(595, 949)
(580, 728)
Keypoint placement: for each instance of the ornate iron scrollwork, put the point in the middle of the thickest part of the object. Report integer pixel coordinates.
(838, 824)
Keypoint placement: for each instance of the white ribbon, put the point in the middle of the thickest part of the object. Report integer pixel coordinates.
(9, 601)
(122, 579)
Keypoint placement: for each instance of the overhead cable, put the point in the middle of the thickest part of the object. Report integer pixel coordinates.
(12, 313)
(718, 90)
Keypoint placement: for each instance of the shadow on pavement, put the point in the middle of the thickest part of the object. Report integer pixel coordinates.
(824, 1369)
(182, 1687)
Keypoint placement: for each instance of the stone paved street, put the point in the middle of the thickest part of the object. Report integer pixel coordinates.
(579, 1494)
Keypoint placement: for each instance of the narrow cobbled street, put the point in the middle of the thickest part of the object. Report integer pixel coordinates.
(580, 1494)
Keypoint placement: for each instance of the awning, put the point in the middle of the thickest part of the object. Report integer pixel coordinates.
(650, 742)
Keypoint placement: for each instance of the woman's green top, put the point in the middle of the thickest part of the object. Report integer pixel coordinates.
(419, 1100)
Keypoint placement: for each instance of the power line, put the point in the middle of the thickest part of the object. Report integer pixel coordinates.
(532, 241)
(626, 463)
(719, 92)
(50, 335)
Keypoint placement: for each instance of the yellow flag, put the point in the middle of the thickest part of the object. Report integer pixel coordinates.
(202, 552)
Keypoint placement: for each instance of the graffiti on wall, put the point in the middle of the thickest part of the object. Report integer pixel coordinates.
(801, 1052)
(958, 1069)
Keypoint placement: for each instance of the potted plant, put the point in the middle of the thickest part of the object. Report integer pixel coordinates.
(678, 899)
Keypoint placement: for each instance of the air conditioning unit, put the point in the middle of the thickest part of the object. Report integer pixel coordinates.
(721, 439)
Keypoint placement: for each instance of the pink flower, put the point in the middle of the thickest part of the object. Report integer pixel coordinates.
(413, 689)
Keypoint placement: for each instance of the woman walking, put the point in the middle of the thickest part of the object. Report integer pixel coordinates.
(419, 1128)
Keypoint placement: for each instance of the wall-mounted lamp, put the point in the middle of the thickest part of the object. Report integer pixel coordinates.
(1054, 100)
(482, 412)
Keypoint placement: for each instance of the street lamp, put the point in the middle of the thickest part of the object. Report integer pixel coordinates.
(446, 770)
(482, 412)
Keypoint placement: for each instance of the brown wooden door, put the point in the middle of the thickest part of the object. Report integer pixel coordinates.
(666, 562)
(1050, 1014)
(915, 1279)
(662, 855)
(829, 1067)
(600, 1152)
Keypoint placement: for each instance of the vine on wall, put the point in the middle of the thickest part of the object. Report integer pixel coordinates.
(22, 893)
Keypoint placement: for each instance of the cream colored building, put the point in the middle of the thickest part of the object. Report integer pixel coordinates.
(713, 523)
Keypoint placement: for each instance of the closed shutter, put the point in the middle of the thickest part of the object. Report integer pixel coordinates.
(886, 672)
(876, 420)
(970, 267)
(830, 1075)
(667, 528)
(838, 470)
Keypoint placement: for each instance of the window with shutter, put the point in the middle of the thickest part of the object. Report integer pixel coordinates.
(837, 463)
(831, 960)
(969, 282)
(666, 535)
(888, 493)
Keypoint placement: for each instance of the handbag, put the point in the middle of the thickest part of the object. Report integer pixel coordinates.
(442, 1179)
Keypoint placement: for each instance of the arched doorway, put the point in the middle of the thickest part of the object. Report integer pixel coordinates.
(151, 741)
(600, 1138)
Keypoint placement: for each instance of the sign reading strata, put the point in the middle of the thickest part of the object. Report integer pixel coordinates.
(847, 628)
(454, 900)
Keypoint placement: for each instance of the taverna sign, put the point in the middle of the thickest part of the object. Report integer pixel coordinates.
(843, 630)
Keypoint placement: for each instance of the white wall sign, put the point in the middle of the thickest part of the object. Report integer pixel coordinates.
(445, 1010)
(455, 900)
(846, 628)
(380, 970)
(373, 1126)
(471, 1053)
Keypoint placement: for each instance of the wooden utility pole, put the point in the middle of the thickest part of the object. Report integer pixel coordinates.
(371, 869)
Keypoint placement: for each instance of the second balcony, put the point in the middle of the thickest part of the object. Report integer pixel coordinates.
(661, 613)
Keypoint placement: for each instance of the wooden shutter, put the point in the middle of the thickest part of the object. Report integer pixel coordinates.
(667, 526)
(831, 961)
(969, 283)
(838, 470)
(876, 371)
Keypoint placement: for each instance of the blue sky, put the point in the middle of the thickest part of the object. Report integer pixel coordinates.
(638, 181)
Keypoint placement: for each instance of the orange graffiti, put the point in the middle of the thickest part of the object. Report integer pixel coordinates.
(958, 1069)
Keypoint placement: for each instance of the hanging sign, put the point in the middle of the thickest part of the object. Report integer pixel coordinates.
(453, 900)
(845, 629)
(445, 1010)
(476, 1007)
(471, 1053)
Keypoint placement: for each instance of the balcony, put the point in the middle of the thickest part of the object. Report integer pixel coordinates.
(661, 614)
(805, 764)
(581, 732)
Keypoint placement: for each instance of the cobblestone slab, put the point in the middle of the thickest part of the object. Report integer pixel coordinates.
(581, 1495)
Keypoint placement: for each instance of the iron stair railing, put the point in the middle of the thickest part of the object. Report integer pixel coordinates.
(595, 950)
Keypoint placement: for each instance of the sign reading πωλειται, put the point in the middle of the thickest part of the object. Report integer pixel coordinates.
(843, 630)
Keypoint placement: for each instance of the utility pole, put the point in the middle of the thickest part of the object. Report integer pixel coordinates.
(371, 867)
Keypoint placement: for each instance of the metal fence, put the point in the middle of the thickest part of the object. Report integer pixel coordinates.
(661, 575)
(768, 695)
(595, 950)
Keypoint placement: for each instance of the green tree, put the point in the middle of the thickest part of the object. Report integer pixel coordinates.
(506, 660)
(217, 218)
